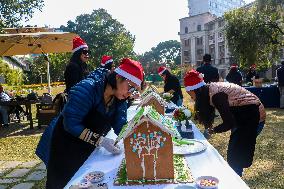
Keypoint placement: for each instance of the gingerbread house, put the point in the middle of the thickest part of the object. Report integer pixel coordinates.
(155, 100)
(148, 146)
(149, 89)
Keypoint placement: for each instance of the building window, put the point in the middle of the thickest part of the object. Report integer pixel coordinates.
(200, 51)
(199, 41)
(198, 27)
(211, 27)
(186, 42)
(186, 53)
(186, 30)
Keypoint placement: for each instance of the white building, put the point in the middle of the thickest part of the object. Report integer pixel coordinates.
(215, 7)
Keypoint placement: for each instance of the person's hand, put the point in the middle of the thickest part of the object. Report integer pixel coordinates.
(108, 144)
(211, 130)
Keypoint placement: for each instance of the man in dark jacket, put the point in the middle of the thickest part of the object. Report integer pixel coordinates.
(280, 78)
(210, 72)
(235, 76)
(77, 69)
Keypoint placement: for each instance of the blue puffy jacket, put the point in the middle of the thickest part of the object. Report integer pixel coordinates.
(81, 99)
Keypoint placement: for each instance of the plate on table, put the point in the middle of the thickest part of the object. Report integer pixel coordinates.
(188, 146)
(95, 176)
(207, 182)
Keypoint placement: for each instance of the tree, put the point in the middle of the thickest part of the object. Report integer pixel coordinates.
(12, 77)
(254, 34)
(167, 53)
(103, 34)
(13, 11)
(38, 68)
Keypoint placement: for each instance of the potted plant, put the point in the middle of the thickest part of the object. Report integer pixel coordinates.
(182, 115)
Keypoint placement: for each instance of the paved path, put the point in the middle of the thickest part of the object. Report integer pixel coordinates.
(21, 175)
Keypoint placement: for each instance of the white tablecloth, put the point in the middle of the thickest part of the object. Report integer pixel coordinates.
(207, 163)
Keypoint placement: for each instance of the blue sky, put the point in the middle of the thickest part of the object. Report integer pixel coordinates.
(151, 21)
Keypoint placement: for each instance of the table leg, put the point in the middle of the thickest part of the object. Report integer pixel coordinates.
(30, 116)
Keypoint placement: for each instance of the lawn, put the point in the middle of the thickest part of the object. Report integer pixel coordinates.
(266, 172)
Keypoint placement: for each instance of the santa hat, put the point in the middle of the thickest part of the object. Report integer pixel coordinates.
(193, 80)
(234, 66)
(161, 70)
(106, 60)
(131, 70)
(78, 43)
(253, 66)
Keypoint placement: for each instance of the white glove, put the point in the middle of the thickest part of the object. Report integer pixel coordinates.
(108, 144)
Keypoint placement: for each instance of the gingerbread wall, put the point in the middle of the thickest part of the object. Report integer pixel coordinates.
(155, 103)
(162, 156)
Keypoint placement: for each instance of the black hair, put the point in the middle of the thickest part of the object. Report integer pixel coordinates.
(205, 113)
(111, 79)
(207, 58)
(76, 56)
(167, 73)
(107, 66)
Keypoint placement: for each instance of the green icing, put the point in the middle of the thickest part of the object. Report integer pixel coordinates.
(179, 142)
(126, 126)
(122, 175)
(153, 114)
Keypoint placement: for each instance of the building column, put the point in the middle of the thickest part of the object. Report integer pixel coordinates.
(192, 51)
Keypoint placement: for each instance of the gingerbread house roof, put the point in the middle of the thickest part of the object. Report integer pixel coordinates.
(148, 90)
(148, 113)
(151, 96)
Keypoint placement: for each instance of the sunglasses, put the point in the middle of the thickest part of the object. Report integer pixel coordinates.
(86, 52)
(131, 89)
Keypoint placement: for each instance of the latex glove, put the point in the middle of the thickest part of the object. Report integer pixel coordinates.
(108, 144)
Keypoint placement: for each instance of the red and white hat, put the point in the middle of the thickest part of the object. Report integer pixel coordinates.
(106, 60)
(78, 43)
(161, 70)
(253, 66)
(234, 66)
(193, 80)
(131, 70)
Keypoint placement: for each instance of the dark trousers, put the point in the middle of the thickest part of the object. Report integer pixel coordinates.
(243, 138)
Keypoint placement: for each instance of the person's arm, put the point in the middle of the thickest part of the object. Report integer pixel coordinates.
(82, 98)
(220, 101)
(120, 118)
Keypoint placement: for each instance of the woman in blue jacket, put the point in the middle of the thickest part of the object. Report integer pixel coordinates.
(95, 105)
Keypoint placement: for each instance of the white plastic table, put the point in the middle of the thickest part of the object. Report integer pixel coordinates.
(206, 163)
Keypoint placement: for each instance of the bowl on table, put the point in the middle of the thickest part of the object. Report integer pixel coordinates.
(207, 182)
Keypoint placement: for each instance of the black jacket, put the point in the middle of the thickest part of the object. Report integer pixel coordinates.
(210, 73)
(280, 76)
(235, 77)
(172, 83)
(250, 75)
(74, 73)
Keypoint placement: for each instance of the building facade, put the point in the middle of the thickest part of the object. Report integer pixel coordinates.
(201, 34)
(215, 7)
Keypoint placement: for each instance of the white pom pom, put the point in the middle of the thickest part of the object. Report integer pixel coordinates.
(201, 75)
